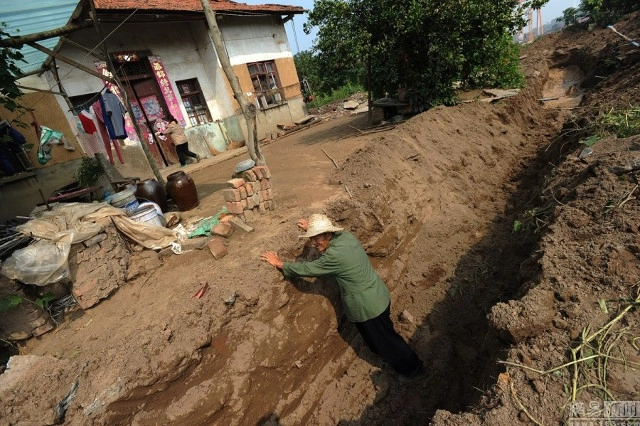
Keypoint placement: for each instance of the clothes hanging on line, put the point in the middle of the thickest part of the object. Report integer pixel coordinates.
(103, 127)
(87, 122)
(113, 115)
(49, 138)
(88, 135)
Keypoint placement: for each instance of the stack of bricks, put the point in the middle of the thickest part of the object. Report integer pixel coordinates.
(249, 193)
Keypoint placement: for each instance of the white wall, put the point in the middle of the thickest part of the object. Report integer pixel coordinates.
(263, 39)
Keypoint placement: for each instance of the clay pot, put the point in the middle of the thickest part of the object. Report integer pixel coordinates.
(152, 190)
(182, 190)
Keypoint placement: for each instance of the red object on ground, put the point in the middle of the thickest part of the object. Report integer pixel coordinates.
(200, 292)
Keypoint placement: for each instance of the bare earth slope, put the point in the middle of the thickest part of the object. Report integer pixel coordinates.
(433, 201)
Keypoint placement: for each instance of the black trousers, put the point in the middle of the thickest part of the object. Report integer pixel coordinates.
(383, 339)
(183, 153)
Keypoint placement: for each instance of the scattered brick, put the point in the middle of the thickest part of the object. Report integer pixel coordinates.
(217, 247)
(235, 183)
(231, 195)
(234, 207)
(249, 216)
(194, 244)
(222, 229)
(238, 223)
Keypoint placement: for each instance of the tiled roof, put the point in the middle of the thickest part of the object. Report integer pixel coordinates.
(193, 6)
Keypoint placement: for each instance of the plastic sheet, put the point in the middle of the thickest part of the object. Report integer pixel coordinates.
(41, 263)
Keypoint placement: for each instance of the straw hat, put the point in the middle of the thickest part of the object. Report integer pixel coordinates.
(319, 224)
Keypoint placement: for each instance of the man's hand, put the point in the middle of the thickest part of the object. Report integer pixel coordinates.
(303, 224)
(272, 259)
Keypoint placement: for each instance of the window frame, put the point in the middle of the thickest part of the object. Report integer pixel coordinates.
(267, 93)
(197, 112)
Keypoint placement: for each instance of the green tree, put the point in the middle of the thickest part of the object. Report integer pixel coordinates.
(422, 46)
(9, 73)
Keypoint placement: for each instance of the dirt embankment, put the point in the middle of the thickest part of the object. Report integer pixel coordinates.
(434, 202)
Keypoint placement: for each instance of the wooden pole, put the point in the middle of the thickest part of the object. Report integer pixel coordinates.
(248, 108)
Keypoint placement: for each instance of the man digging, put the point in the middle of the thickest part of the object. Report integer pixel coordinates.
(365, 296)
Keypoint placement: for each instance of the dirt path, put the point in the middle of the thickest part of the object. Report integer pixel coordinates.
(434, 202)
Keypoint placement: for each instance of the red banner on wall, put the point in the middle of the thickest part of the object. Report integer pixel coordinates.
(165, 86)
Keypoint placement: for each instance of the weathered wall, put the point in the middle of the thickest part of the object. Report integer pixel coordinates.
(48, 113)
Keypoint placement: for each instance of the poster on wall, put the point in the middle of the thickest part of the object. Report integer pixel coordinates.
(165, 87)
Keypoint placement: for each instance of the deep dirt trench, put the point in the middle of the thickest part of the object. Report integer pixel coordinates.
(434, 202)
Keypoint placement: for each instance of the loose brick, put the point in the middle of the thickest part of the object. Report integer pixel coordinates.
(263, 196)
(264, 184)
(243, 192)
(194, 244)
(249, 216)
(235, 183)
(248, 186)
(244, 204)
(234, 207)
(239, 224)
(217, 247)
(257, 172)
(231, 195)
(222, 229)
(256, 198)
(249, 176)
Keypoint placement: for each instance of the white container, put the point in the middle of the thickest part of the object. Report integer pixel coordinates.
(149, 213)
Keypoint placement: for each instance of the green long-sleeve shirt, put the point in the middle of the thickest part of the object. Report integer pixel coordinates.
(364, 294)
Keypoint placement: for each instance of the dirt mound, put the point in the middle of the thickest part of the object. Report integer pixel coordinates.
(434, 202)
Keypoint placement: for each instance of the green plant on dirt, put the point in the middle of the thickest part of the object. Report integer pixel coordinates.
(622, 123)
(12, 300)
(533, 220)
(593, 353)
(89, 172)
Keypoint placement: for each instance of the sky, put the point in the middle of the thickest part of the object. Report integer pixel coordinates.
(299, 41)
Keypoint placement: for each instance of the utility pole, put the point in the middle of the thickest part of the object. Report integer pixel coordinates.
(248, 108)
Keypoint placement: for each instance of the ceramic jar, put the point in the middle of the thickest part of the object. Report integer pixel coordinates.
(152, 190)
(182, 190)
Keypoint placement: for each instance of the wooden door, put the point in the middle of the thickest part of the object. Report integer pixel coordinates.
(151, 107)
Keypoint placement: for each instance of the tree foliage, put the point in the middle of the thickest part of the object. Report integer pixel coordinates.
(9, 73)
(598, 12)
(422, 46)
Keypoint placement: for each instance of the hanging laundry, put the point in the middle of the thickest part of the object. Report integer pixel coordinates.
(113, 114)
(88, 136)
(87, 122)
(49, 138)
(10, 144)
(103, 127)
